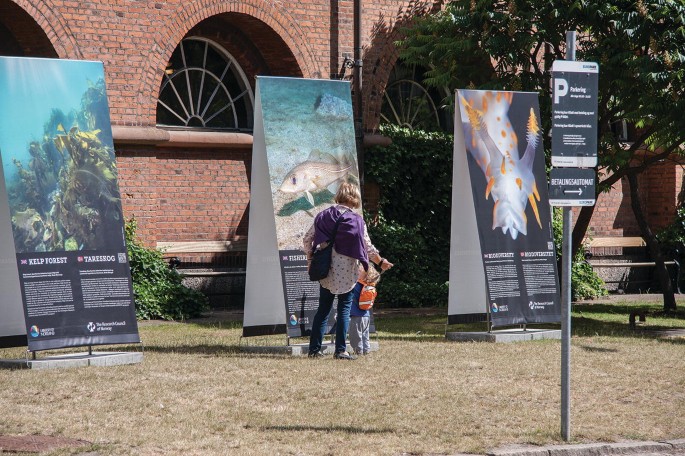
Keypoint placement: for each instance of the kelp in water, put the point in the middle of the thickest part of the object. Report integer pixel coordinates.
(66, 195)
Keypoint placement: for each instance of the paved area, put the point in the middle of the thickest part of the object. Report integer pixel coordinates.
(668, 447)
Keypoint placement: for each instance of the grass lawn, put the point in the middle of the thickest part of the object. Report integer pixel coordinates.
(196, 393)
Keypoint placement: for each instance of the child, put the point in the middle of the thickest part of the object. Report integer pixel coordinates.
(360, 319)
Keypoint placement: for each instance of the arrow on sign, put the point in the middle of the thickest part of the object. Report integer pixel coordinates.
(577, 192)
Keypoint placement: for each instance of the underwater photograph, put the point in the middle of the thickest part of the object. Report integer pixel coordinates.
(58, 156)
(310, 146)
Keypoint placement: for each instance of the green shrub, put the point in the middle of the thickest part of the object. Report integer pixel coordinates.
(672, 239)
(158, 289)
(585, 283)
(417, 279)
(415, 177)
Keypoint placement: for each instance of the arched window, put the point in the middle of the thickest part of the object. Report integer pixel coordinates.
(406, 102)
(204, 87)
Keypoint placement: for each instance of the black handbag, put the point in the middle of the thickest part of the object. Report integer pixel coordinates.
(322, 256)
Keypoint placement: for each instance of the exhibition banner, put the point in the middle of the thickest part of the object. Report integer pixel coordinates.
(304, 148)
(63, 204)
(12, 325)
(499, 151)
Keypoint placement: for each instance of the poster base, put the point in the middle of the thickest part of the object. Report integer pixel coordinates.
(102, 359)
(297, 349)
(504, 335)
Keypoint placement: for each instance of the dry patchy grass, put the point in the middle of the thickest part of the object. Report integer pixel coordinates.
(195, 393)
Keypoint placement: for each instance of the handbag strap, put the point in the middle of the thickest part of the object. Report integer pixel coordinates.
(337, 223)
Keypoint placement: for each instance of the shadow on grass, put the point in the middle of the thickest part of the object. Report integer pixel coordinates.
(613, 320)
(587, 320)
(598, 349)
(346, 429)
(670, 340)
(217, 324)
(430, 325)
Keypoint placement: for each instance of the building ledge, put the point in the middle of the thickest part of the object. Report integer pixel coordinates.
(153, 136)
(179, 138)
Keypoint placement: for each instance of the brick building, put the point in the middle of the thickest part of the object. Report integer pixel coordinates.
(184, 160)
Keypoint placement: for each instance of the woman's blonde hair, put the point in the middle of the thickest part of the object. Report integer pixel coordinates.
(348, 194)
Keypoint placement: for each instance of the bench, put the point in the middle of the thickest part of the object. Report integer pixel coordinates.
(615, 242)
(171, 249)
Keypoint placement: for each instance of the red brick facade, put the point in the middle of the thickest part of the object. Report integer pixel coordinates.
(660, 186)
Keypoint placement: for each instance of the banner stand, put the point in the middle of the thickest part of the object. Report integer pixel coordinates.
(303, 149)
(504, 335)
(294, 349)
(76, 359)
(520, 334)
(502, 252)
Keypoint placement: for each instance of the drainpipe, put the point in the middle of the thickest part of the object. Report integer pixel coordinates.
(359, 117)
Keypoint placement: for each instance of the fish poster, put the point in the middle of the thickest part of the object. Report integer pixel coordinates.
(63, 206)
(304, 148)
(500, 178)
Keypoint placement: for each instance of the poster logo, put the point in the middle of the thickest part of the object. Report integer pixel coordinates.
(494, 308)
(35, 331)
(91, 327)
(293, 319)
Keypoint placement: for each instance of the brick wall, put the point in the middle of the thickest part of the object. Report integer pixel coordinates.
(660, 187)
(186, 195)
(136, 39)
(189, 194)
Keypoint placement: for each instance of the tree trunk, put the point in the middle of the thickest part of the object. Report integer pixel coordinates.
(580, 228)
(652, 245)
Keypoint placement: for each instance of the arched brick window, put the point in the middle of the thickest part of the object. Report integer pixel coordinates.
(204, 87)
(408, 103)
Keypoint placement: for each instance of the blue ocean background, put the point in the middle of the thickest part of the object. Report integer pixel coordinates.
(293, 130)
(30, 89)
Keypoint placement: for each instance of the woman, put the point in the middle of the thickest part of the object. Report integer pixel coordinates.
(351, 247)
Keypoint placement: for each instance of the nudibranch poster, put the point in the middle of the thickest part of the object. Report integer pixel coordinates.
(499, 153)
(304, 148)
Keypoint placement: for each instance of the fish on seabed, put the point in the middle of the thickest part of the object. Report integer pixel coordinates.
(315, 175)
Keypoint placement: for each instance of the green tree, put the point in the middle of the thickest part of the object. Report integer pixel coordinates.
(511, 45)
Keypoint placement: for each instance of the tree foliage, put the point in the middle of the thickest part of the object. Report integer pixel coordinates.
(511, 45)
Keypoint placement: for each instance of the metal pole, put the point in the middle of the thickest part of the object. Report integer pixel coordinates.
(566, 294)
(358, 63)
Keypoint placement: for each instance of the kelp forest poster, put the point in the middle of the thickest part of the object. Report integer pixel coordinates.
(64, 206)
(304, 148)
(498, 145)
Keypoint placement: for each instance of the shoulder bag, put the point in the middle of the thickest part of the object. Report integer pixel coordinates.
(321, 258)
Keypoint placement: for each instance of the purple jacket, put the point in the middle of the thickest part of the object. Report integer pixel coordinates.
(349, 240)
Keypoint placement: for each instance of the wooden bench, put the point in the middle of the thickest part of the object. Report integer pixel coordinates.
(615, 242)
(171, 249)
